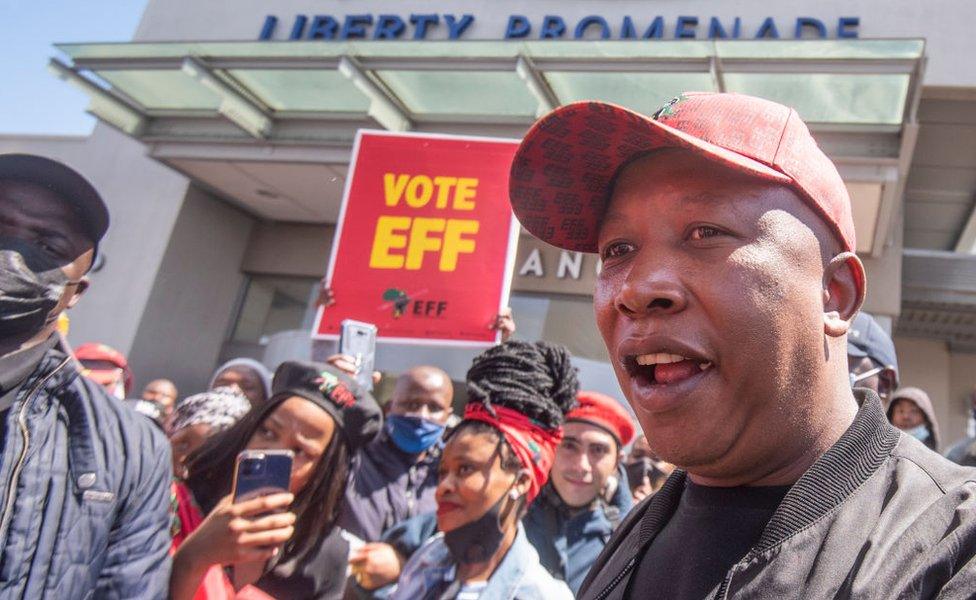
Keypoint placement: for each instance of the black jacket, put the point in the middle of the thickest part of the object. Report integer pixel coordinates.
(879, 515)
(85, 484)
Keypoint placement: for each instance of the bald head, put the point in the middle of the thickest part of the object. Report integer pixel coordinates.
(162, 392)
(423, 391)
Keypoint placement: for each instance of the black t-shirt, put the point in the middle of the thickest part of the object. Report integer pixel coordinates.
(711, 530)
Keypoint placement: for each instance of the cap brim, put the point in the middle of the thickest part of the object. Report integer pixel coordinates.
(562, 173)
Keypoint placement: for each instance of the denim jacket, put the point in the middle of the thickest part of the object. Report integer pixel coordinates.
(519, 575)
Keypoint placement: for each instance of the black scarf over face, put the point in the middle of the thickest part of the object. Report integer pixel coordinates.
(312, 564)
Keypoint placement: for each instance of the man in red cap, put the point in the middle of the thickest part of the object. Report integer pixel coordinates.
(587, 494)
(728, 285)
(107, 367)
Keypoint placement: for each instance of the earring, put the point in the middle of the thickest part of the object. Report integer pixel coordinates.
(513, 494)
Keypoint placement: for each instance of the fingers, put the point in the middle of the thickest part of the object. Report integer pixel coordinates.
(343, 362)
(271, 537)
(275, 521)
(264, 504)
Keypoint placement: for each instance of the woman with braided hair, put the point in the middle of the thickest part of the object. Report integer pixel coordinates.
(492, 467)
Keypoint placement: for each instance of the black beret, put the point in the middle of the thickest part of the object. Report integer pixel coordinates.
(356, 413)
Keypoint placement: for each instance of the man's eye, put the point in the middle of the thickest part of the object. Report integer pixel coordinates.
(704, 231)
(616, 250)
(48, 247)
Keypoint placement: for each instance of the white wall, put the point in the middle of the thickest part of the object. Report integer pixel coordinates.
(143, 198)
(946, 24)
(194, 296)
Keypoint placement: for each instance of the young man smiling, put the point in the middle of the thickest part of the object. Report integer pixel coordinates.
(728, 286)
(587, 494)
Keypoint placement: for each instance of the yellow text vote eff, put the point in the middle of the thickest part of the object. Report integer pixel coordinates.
(418, 190)
(420, 235)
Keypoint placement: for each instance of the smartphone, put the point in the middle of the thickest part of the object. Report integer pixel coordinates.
(261, 473)
(358, 340)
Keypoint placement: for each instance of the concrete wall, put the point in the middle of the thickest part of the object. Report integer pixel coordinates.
(194, 296)
(946, 24)
(947, 377)
(144, 198)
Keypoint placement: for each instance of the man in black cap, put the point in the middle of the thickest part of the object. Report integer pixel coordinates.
(85, 480)
(871, 357)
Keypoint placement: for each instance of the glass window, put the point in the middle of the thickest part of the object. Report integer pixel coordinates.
(274, 304)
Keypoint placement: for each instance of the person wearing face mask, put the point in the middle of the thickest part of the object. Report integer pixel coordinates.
(646, 473)
(107, 367)
(85, 479)
(911, 411)
(871, 359)
(394, 478)
(494, 464)
(249, 376)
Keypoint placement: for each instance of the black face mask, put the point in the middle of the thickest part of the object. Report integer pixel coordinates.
(478, 540)
(31, 285)
(644, 467)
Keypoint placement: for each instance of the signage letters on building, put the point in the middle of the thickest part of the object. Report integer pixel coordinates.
(519, 27)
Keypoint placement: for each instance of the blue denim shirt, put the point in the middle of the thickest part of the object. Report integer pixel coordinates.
(519, 575)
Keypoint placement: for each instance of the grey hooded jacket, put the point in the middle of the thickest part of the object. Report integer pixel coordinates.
(879, 515)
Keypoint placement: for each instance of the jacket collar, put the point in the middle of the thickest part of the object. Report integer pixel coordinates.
(56, 380)
(856, 455)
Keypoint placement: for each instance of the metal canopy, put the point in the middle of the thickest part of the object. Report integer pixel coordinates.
(304, 101)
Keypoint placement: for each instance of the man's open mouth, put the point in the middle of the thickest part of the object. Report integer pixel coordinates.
(663, 368)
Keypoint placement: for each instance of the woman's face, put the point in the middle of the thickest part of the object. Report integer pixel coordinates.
(471, 479)
(301, 426)
(185, 441)
(905, 414)
(244, 379)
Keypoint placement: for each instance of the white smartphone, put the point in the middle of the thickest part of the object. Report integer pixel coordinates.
(358, 340)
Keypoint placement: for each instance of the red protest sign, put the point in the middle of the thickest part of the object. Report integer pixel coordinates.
(426, 239)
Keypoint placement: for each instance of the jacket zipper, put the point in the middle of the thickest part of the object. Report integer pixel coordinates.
(617, 579)
(15, 475)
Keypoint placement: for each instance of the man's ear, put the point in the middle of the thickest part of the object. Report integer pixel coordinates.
(844, 288)
(80, 288)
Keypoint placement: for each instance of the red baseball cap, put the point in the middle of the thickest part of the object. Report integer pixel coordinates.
(564, 169)
(100, 353)
(604, 412)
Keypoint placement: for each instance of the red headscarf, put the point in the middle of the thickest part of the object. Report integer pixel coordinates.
(534, 445)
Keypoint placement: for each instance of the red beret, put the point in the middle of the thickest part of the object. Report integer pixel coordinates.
(605, 412)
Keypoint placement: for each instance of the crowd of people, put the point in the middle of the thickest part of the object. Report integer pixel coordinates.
(764, 445)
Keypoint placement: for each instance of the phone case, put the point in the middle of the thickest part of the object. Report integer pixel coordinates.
(358, 339)
(261, 472)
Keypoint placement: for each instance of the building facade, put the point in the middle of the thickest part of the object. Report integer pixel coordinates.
(225, 129)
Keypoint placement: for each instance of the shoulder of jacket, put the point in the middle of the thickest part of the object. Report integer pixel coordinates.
(940, 471)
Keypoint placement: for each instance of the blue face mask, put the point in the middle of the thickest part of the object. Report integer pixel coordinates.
(413, 435)
(920, 433)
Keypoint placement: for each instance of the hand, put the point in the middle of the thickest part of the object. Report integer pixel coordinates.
(505, 323)
(239, 533)
(231, 534)
(325, 298)
(347, 364)
(375, 565)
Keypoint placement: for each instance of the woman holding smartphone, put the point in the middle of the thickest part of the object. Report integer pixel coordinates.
(493, 465)
(286, 544)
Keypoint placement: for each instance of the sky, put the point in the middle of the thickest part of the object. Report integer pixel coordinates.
(33, 101)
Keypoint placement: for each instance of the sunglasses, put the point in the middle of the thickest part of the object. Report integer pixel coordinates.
(884, 384)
